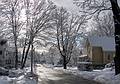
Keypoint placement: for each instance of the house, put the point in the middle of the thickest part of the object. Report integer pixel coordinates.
(10, 58)
(3, 45)
(100, 50)
(7, 55)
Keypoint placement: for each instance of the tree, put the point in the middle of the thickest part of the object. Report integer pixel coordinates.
(52, 54)
(32, 60)
(103, 26)
(68, 27)
(40, 13)
(90, 4)
(11, 11)
(116, 13)
(93, 7)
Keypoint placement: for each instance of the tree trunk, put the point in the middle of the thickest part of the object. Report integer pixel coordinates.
(32, 58)
(64, 62)
(16, 56)
(23, 53)
(116, 13)
(23, 64)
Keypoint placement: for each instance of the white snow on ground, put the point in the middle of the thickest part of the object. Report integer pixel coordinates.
(19, 79)
(23, 80)
(105, 76)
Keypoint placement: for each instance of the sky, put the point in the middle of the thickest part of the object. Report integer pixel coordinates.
(68, 4)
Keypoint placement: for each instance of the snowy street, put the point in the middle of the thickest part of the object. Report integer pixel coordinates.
(50, 76)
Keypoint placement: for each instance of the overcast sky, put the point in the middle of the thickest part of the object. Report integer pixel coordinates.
(68, 4)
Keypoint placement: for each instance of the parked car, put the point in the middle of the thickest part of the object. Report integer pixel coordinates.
(4, 71)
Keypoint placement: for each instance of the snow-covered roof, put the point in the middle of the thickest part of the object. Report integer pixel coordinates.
(107, 43)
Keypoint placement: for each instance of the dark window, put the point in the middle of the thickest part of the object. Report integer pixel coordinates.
(8, 61)
(109, 57)
(0, 52)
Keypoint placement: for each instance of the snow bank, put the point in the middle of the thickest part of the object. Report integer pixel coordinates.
(108, 77)
(3, 82)
(6, 80)
(18, 77)
(116, 80)
(105, 76)
(24, 80)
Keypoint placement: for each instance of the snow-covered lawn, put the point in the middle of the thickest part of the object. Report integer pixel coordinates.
(17, 77)
(105, 76)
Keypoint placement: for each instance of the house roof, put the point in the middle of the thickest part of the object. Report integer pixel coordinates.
(107, 43)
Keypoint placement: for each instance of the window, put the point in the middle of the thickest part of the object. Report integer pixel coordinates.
(8, 61)
(0, 52)
(108, 56)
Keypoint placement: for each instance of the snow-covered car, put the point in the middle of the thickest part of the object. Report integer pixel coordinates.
(4, 71)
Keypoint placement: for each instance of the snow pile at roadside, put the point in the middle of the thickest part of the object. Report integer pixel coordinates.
(5, 80)
(18, 77)
(116, 79)
(24, 80)
(106, 76)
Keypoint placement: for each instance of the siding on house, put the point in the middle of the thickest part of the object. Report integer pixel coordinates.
(97, 55)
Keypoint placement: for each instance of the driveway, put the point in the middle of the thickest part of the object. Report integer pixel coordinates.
(51, 76)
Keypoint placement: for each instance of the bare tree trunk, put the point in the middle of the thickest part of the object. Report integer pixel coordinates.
(64, 62)
(16, 55)
(23, 64)
(14, 29)
(32, 58)
(23, 53)
(116, 13)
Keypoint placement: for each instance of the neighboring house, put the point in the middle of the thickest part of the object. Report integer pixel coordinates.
(10, 58)
(100, 50)
(3, 45)
(7, 55)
